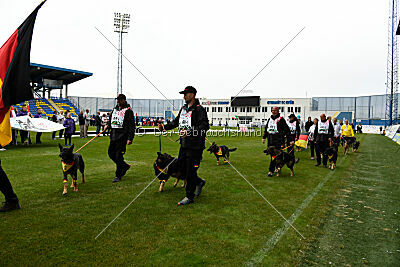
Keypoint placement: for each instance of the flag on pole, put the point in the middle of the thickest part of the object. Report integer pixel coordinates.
(302, 142)
(15, 72)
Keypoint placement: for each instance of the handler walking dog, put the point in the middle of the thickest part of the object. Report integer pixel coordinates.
(276, 129)
(122, 124)
(192, 123)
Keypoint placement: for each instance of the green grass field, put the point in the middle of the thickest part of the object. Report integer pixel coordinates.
(348, 216)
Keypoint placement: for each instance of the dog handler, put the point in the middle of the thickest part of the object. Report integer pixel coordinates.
(276, 129)
(122, 124)
(192, 123)
(293, 136)
(323, 135)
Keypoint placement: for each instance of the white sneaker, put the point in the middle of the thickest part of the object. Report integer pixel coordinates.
(3, 149)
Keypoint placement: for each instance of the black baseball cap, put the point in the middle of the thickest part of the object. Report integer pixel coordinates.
(189, 89)
(292, 116)
(121, 97)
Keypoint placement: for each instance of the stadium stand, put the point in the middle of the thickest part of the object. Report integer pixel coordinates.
(46, 106)
(66, 104)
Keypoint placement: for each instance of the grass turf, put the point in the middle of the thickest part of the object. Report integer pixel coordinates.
(227, 225)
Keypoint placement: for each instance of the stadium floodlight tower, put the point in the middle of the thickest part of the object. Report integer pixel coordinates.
(121, 26)
(391, 114)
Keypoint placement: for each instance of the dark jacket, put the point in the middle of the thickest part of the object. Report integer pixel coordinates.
(22, 113)
(38, 115)
(308, 125)
(127, 132)
(98, 120)
(54, 118)
(199, 126)
(292, 137)
(323, 137)
(81, 119)
(283, 131)
(69, 124)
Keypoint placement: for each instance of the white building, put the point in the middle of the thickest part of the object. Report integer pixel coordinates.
(253, 110)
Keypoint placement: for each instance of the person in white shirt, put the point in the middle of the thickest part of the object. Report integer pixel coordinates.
(311, 140)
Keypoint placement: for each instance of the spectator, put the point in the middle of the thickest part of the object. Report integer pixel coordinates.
(54, 119)
(38, 134)
(25, 138)
(87, 122)
(61, 119)
(69, 124)
(309, 123)
(81, 121)
(104, 122)
(98, 122)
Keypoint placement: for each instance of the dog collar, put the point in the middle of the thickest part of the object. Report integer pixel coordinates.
(161, 170)
(66, 166)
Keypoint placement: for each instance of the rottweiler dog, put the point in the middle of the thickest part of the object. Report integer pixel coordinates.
(163, 172)
(220, 151)
(282, 158)
(332, 154)
(71, 163)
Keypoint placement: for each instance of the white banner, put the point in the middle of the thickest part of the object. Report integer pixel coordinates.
(27, 123)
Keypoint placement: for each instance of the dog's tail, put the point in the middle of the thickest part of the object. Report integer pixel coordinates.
(232, 149)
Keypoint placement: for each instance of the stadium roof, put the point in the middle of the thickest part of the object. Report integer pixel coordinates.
(67, 76)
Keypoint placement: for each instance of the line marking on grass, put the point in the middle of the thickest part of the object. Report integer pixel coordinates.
(262, 253)
(144, 189)
(255, 189)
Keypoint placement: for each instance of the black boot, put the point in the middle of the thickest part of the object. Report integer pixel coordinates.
(10, 205)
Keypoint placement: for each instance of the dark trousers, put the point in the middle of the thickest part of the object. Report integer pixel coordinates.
(116, 151)
(6, 188)
(53, 135)
(60, 135)
(67, 138)
(312, 148)
(98, 129)
(189, 163)
(24, 136)
(321, 147)
(38, 135)
(272, 164)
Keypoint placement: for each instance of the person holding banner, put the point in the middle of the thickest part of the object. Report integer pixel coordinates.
(276, 129)
(25, 138)
(122, 124)
(38, 134)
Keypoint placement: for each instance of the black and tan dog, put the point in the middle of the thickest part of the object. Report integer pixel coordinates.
(281, 158)
(332, 154)
(356, 145)
(348, 142)
(71, 163)
(220, 151)
(163, 169)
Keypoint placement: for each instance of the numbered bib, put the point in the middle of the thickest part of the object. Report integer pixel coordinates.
(292, 127)
(323, 127)
(273, 126)
(117, 118)
(185, 120)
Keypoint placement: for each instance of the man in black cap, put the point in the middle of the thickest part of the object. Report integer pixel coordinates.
(122, 124)
(193, 125)
(276, 129)
(294, 134)
(12, 202)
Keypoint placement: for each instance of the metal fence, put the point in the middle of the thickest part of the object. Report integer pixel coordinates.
(364, 107)
(143, 107)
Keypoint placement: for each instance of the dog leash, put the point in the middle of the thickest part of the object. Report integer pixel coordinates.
(90, 140)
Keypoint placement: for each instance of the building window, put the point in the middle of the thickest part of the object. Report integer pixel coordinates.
(264, 109)
(249, 109)
(207, 109)
(297, 109)
(227, 109)
(234, 109)
(282, 109)
(219, 109)
(242, 109)
(258, 109)
(214, 109)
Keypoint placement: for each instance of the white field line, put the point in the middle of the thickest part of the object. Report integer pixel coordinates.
(262, 253)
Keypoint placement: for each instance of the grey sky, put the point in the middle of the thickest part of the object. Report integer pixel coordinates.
(216, 46)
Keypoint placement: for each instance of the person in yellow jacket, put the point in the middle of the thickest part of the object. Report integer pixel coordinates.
(347, 130)
(348, 136)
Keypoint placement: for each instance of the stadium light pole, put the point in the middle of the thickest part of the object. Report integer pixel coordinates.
(121, 26)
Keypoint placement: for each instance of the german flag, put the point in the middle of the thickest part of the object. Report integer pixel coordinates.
(15, 72)
(302, 142)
